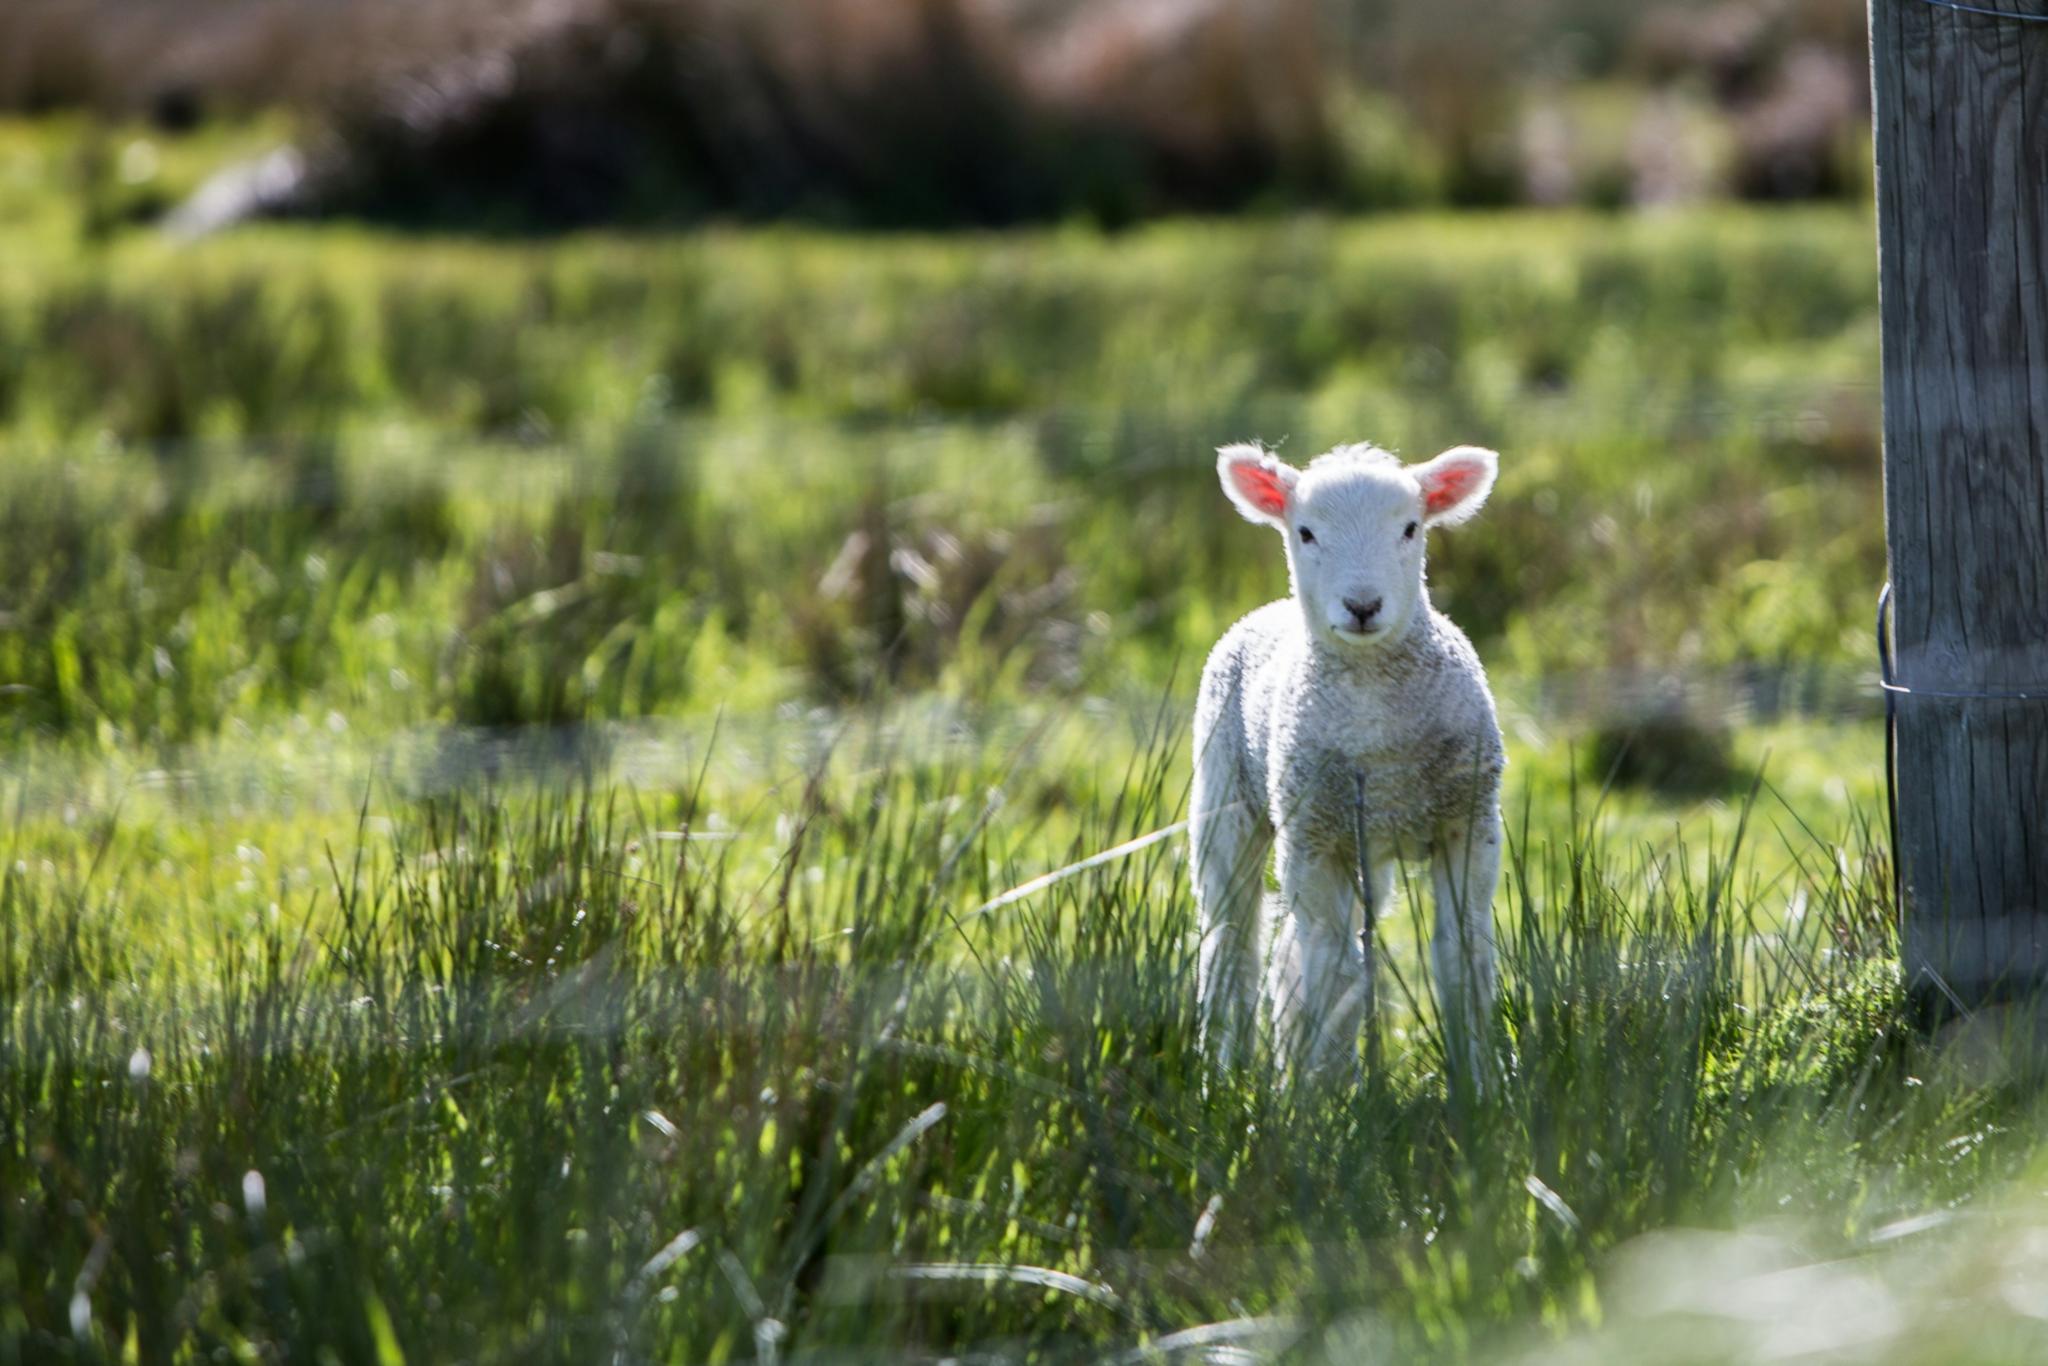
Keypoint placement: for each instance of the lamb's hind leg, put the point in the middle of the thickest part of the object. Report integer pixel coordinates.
(1230, 842)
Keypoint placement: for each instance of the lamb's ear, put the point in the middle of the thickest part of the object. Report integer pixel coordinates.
(1455, 484)
(1260, 484)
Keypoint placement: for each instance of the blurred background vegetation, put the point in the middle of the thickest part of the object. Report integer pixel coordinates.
(528, 113)
(611, 478)
(467, 464)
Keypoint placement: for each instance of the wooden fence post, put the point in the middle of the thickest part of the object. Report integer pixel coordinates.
(1961, 104)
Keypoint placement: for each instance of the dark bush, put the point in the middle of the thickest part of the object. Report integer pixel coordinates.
(527, 116)
(1670, 750)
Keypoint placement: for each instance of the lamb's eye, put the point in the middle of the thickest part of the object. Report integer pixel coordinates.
(1409, 534)
(1307, 537)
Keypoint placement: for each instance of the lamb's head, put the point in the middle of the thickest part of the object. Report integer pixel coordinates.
(1354, 522)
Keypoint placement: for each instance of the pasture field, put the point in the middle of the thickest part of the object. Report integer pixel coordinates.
(515, 751)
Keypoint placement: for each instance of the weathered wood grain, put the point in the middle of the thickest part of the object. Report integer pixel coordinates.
(1962, 190)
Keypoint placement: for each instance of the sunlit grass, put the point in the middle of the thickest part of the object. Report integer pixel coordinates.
(569, 1071)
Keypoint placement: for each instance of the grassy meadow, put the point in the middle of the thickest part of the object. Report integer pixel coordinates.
(516, 750)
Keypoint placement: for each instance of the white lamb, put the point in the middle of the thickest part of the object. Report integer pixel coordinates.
(1354, 702)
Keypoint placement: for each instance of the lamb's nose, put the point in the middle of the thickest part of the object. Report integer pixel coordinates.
(1362, 613)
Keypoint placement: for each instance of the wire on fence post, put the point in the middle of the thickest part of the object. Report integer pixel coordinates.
(1888, 683)
(1888, 680)
(1988, 12)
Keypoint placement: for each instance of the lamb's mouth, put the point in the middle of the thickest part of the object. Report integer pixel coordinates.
(1351, 637)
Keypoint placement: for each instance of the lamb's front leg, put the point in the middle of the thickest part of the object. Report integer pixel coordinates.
(1320, 989)
(1465, 869)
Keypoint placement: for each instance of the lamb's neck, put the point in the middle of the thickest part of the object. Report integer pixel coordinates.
(1386, 663)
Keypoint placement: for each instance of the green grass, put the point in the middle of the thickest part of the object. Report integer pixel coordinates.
(510, 743)
(569, 1071)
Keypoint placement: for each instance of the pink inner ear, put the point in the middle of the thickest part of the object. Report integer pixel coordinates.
(1447, 487)
(1261, 487)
